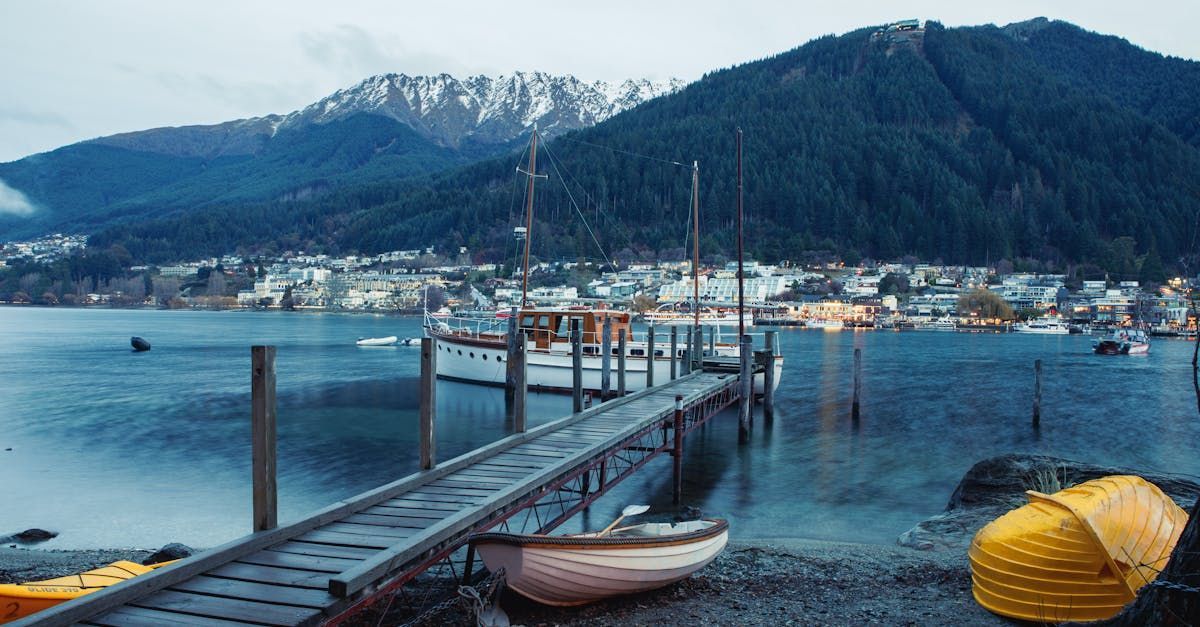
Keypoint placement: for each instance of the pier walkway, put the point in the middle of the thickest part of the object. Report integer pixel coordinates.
(338, 559)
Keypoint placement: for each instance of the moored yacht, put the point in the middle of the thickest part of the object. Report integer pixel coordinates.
(1046, 325)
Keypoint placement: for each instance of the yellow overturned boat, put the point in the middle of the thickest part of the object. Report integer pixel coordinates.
(18, 600)
(1076, 555)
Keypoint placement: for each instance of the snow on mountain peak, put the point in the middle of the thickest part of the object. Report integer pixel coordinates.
(482, 108)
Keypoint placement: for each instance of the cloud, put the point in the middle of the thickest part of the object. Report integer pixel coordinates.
(352, 52)
(13, 113)
(13, 202)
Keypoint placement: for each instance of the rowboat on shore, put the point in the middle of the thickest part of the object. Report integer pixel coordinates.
(18, 600)
(1080, 554)
(579, 569)
(377, 341)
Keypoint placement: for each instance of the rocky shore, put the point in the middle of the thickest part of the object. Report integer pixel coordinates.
(924, 579)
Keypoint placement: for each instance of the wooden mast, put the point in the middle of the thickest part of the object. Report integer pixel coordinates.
(741, 290)
(696, 243)
(528, 217)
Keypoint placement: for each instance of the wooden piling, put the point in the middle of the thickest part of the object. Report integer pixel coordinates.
(712, 340)
(520, 394)
(510, 372)
(606, 360)
(674, 352)
(428, 408)
(650, 357)
(677, 453)
(769, 379)
(854, 405)
(576, 369)
(1037, 393)
(621, 348)
(745, 387)
(262, 437)
(685, 363)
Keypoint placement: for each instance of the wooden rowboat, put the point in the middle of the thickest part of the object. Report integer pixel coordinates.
(573, 570)
(1079, 554)
(18, 600)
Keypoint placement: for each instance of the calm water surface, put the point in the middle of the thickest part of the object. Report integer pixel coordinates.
(119, 449)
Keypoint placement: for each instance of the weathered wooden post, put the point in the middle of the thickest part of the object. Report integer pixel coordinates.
(262, 437)
(428, 409)
(576, 368)
(674, 352)
(697, 348)
(677, 454)
(510, 368)
(606, 360)
(688, 350)
(745, 388)
(712, 340)
(522, 387)
(1037, 393)
(769, 379)
(854, 405)
(621, 362)
(650, 357)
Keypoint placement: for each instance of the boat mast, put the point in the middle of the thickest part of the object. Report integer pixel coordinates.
(741, 290)
(528, 216)
(696, 242)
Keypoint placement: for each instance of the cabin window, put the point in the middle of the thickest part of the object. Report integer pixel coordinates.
(637, 352)
(615, 350)
(590, 350)
(499, 358)
(527, 321)
(472, 355)
(543, 322)
(484, 356)
(561, 327)
(658, 353)
(460, 351)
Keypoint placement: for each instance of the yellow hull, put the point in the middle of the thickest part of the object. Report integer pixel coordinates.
(1080, 554)
(21, 600)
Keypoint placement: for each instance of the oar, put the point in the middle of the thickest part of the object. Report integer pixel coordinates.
(630, 510)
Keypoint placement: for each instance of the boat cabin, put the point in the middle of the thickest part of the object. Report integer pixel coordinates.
(546, 326)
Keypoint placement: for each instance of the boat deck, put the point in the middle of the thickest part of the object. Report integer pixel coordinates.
(315, 569)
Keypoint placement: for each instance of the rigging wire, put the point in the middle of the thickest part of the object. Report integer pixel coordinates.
(621, 229)
(624, 152)
(511, 203)
(554, 164)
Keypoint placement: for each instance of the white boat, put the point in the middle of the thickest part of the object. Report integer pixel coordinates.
(1045, 325)
(945, 323)
(574, 570)
(1123, 341)
(377, 341)
(824, 323)
(670, 314)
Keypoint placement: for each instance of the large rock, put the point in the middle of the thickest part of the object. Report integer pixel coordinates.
(997, 485)
(172, 551)
(29, 536)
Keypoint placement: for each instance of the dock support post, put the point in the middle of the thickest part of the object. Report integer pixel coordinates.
(576, 369)
(769, 379)
(1037, 393)
(428, 401)
(712, 341)
(697, 348)
(520, 395)
(745, 388)
(854, 405)
(510, 372)
(650, 357)
(606, 360)
(262, 436)
(677, 454)
(621, 349)
(674, 352)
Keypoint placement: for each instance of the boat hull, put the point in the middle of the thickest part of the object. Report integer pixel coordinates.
(1080, 554)
(575, 570)
(378, 341)
(20, 600)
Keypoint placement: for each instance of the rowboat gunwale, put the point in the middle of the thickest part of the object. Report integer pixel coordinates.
(719, 526)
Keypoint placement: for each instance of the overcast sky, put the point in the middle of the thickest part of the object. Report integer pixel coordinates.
(75, 70)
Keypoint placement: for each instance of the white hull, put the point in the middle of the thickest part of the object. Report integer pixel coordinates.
(574, 575)
(476, 362)
(1041, 330)
(377, 341)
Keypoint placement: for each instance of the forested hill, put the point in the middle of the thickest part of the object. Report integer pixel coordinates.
(965, 144)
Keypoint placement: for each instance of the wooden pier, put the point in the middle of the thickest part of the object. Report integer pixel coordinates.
(335, 561)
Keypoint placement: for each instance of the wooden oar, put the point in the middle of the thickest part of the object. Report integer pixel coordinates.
(630, 510)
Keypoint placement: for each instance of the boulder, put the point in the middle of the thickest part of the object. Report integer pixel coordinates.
(172, 551)
(29, 536)
(997, 485)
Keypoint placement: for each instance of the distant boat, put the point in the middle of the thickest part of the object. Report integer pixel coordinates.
(1080, 554)
(945, 323)
(579, 569)
(18, 600)
(377, 341)
(1123, 342)
(1045, 325)
(824, 323)
(673, 313)
(139, 344)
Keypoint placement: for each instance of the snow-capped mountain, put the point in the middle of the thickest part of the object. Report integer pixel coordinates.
(444, 109)
(483, 108)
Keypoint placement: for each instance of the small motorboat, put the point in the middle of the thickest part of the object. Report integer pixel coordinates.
(18, 600)
(411, 341)
(1080, 554)
(1123, 342)
(139, 344)
(579, 569)
(377, 341)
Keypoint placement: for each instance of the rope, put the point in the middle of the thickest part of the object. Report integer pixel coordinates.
(624, 152)
(469, 596)
(1171, 585)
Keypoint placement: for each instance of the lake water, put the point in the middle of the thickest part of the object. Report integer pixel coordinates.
(119, 449)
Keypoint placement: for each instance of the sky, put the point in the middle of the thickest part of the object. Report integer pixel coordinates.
(75, 70)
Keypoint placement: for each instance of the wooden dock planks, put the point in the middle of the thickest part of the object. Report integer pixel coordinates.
(290, 581)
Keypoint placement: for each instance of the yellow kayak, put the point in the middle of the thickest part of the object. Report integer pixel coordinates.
(1079, 554)
(18, 600)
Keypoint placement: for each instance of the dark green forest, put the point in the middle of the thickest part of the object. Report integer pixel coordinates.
(969, 145)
